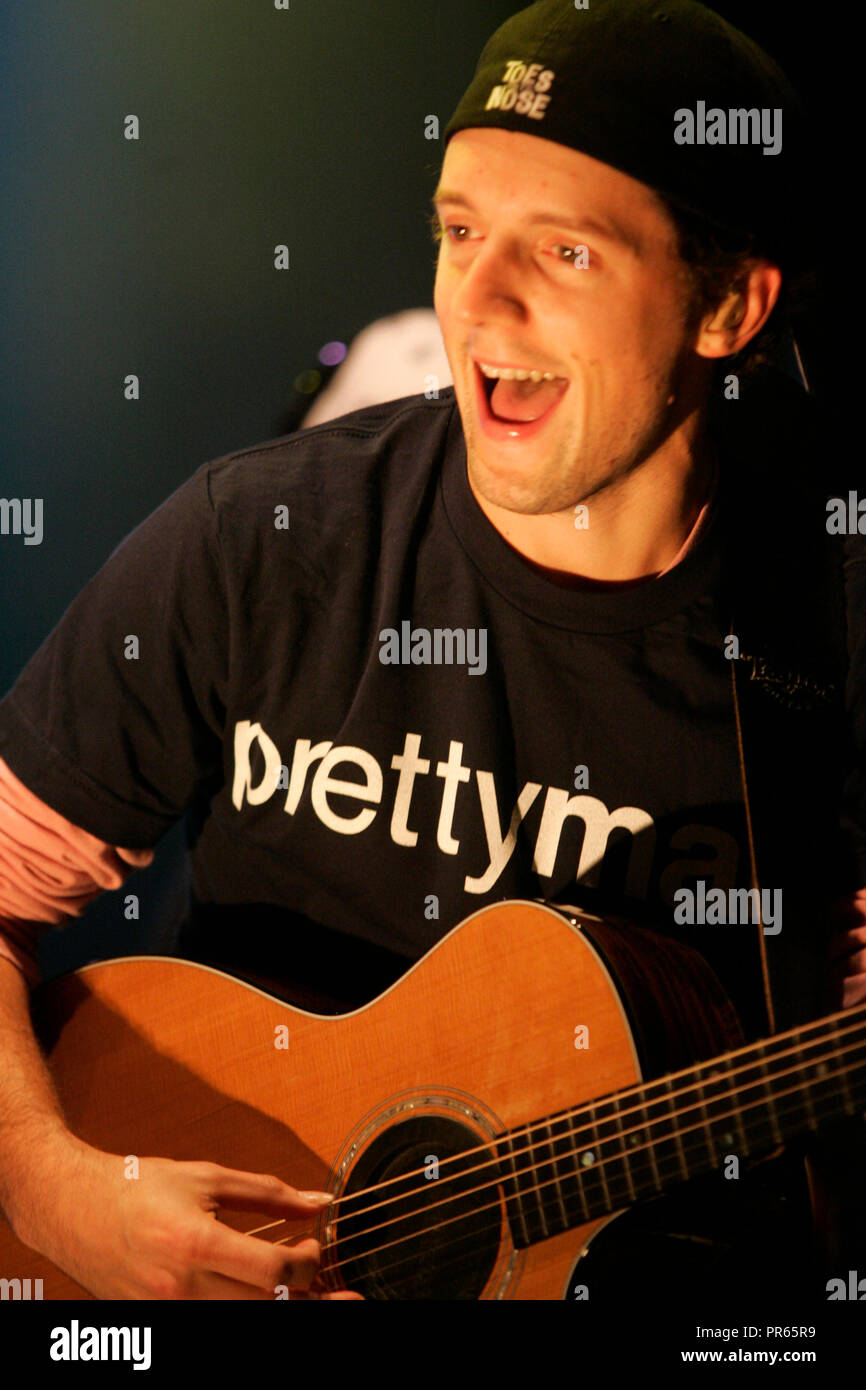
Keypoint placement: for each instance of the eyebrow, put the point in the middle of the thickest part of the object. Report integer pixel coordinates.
(610, 230)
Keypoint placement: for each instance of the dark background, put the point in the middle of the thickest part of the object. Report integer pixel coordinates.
(155, 257)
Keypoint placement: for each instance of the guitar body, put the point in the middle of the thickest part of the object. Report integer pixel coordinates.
(521, 1011)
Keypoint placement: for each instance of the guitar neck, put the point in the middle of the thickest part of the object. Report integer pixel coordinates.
(565, 1169)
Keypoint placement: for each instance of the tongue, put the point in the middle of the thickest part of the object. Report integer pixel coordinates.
(524, 400)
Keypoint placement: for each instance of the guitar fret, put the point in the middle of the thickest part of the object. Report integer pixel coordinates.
(705, 1121)
(559, 1197)
(841, 1068)
(537, 1177)
(663, 1148)
(589, 1175)
(570, 1183)
(792, 1104)
(617, 1170)
(604, 1156)
(732, 1115)
(638, 1156)
(600, 1160)
(578, 1175)
(649, 1148)
(676, 1133)
(624, 1158)
(771, 1101)
(516, 1202)
(535, 1186)
(824, 1088)
(806, 1092)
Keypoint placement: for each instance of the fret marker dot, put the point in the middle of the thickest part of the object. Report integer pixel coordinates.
(632, 1139)
(587, 1159)
(729, 1138)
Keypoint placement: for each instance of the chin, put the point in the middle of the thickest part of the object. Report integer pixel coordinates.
(501, 488)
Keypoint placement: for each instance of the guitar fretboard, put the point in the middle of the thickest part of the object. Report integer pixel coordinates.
(567, 1168)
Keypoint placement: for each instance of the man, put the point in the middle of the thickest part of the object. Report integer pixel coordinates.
(446, 651)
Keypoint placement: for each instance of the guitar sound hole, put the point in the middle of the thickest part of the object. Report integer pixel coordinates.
(434, 1237)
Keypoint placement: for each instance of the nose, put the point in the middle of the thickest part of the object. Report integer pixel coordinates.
(491, 283)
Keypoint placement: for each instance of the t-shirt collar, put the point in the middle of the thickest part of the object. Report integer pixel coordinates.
(619, 609)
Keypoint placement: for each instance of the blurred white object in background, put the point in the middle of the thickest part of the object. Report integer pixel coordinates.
(392, 357)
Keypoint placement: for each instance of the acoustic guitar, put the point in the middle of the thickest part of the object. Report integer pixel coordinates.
(537, 1071)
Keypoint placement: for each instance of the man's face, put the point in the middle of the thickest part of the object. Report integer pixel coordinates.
(510, 290)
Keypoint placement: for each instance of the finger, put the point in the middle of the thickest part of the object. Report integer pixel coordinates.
(843, 943)
(207, 1286)
(318, 1290)
(248, 1260)
(259, 1192)
(343, 1295)
(854, 991)
(854, 964)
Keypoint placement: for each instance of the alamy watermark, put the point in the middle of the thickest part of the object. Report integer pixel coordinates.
(846, 518)
(853, 1288)
(736, 907)
(22, 516)
(736, 126)
(439, 646)
(25, 1290)
(77, 1343)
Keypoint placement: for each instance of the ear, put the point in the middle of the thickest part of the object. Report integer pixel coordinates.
(742, 315)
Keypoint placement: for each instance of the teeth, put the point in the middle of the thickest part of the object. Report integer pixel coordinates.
(516, 373)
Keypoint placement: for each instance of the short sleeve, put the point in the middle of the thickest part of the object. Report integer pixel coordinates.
(119, 716)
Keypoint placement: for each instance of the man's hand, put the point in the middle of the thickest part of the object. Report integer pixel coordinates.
(156, 1236)
(848, 960)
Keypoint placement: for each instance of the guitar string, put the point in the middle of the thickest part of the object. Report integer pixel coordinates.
(535, 1167)
(610, 1205)
(491, 1206)
(725, 1090)
(666, 1094)
(702, 1072)
(668, 1137)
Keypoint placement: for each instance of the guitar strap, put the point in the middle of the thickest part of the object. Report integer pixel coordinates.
(753, 859)
(785, 587)
(744, 781)
(801, 617)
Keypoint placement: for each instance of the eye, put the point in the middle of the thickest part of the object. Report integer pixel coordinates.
(579, 254)
(440, 231)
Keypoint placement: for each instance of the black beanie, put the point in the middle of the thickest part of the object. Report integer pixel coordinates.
(664, 90)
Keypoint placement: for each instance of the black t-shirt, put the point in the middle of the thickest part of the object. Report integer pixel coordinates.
(381, 718)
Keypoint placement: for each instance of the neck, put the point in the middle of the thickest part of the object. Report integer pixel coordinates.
(636, 1143)
(636, 525)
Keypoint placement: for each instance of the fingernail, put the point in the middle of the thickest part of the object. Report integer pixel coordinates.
(321, 1197)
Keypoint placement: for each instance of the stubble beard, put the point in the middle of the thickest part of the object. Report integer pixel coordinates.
(563, 485)
(571, 470)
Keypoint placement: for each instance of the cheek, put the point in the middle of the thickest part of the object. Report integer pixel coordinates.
(637, 358)
(661, 327)
(441, 292)
(641, 323)
(603, 347)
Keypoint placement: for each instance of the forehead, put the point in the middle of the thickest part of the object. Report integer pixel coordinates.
(524, 177)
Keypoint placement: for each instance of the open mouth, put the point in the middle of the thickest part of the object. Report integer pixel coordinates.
(514, 405)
